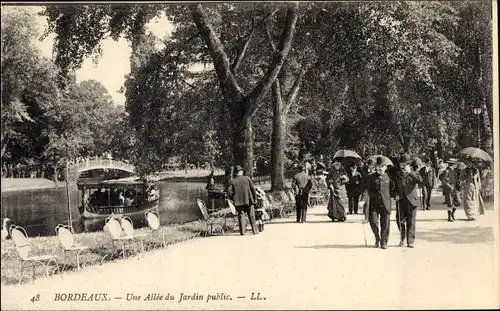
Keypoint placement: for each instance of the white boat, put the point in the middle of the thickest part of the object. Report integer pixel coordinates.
(127, 196)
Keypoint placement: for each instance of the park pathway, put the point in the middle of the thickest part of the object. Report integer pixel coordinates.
(316, 265)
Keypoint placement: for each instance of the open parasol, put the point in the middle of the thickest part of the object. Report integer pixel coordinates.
(476, 153)
(343, 154)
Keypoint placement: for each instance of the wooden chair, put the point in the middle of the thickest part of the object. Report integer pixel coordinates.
(115, 230)
(20, 239)
(153, 220)
(211, 219)
(65, 235)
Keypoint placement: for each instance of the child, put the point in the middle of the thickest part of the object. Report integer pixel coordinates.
(260, 208)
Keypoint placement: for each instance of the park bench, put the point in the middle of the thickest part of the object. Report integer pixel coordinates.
(21, 241)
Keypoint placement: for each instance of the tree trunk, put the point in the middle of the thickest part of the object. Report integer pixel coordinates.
(243, 105)
(488, 133)
(278, 141)
(243, 143)
(5, 141)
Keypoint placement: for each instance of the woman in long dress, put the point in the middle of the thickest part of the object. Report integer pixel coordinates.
(470, 185)
(337, 178)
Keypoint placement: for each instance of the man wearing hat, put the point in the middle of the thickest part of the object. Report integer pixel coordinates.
(242, 192)
(408, 199)
(449, 180)
(428, 177)
(301, 185)
(379, 189)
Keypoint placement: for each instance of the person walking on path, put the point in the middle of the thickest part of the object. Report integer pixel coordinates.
(379, 189)
(242, 192)
(428, 181)
(301, 185)
(337, 178)
(354, 187)
(470, 185)
(449, 181)
(408, 199)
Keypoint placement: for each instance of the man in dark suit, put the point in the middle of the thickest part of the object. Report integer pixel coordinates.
(242, 192)
(301, 185)
(449, 180)
(378, 191)
(408, 199)
(428, 180)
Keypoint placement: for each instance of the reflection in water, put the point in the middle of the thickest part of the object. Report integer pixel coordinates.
(40, 211)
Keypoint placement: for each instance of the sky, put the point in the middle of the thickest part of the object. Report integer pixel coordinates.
(114, 62)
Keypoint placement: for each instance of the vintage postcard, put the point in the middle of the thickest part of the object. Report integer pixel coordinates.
(250, 155)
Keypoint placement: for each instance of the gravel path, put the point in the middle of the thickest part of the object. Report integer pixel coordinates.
(319, 264)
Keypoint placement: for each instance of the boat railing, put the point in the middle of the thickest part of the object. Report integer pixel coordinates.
(103, 210)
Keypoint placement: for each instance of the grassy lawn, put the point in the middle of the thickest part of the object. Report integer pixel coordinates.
(101, 249)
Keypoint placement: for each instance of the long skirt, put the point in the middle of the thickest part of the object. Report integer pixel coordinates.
(470, 200)
(336, 208)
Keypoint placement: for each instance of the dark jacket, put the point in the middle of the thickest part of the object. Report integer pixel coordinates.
(354, 186)
(449, 180)
(301, 183)
(408, 187)
(242, 191)
(428, 178)
(378, 191)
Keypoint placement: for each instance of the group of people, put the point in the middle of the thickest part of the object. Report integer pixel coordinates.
(373, 185)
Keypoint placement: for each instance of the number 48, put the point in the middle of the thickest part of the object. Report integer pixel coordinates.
(35, 298)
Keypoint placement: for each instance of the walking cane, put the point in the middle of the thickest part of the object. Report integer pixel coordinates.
(363, 223)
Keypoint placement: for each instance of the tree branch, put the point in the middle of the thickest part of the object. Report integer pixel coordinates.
(241, 54)
(270, 38)
(229, 84)
(259, 92)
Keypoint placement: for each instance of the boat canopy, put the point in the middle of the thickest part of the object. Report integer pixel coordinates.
(111, 183)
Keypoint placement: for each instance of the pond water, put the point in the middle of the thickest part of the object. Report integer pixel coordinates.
(40, 211)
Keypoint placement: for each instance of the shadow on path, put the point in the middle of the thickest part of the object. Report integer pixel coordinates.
(335, 246)
(460, 235)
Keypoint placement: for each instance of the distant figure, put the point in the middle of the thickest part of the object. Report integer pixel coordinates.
(337, 178)
(211, 181)
(121, 198)
(449, 181)
(354, 187)
(470, 185)
(301, 185)
(242, 192)
(428, 180)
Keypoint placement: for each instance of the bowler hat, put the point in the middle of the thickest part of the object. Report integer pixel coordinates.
(238, 168)
(405, 158)
(380, 162)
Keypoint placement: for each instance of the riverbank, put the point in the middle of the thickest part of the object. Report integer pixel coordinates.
(19, 184)
(100, 248)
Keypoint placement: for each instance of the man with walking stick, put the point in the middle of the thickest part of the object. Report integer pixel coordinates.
(408, 200)
(379, 189)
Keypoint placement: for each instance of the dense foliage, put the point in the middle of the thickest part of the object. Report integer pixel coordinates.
(282, 81)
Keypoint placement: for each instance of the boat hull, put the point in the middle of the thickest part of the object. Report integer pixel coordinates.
(100, 212)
